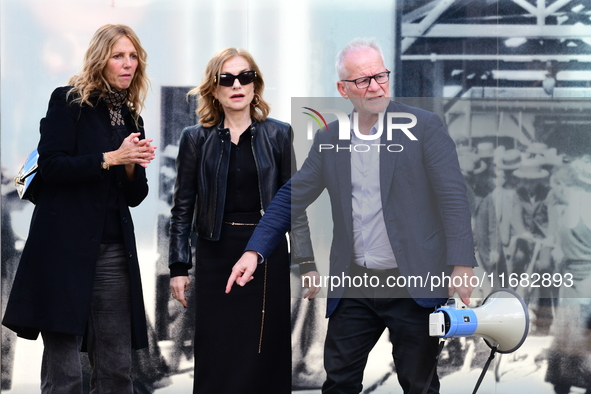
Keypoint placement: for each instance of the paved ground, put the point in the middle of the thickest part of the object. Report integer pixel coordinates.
(519, 372)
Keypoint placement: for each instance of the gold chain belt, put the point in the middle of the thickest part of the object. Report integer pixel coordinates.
(240, 224)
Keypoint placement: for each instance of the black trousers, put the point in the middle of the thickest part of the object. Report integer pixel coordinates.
(108, 333)
(356, 325)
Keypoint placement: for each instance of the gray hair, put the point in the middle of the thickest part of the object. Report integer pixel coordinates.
(356, 43)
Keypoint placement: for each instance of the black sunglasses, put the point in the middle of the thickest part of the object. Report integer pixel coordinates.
(245, 77)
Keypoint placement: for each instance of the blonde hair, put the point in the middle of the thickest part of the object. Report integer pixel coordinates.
(211, 114)
(91, 79)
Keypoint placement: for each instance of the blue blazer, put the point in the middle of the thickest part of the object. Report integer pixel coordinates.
(424, 201)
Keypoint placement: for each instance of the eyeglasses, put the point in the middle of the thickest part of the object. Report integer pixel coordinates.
(364, 82)
(245, 77)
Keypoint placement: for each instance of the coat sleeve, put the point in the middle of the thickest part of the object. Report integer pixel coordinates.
(136, 189)
(290, 201)
(58, 159)
(442, 167)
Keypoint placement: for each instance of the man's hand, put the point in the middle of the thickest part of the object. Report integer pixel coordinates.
(311, 280)
(178, 286)
(465, 288)
(494, 256)
(243, 270)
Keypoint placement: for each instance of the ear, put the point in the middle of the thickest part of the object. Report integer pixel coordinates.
(342, 89)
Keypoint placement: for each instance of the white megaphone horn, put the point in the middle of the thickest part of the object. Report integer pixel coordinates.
(502, 320)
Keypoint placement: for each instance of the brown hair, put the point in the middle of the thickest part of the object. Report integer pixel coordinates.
(211, 114)
(91, 79)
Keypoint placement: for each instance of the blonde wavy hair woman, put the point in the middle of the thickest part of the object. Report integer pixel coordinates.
(78, 280)
(92, 79)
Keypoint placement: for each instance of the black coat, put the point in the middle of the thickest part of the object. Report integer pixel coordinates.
(52, 289)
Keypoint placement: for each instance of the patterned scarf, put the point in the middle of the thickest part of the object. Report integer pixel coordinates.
(115, 100)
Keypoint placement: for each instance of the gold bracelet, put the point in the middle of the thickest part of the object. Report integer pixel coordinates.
(105, 164)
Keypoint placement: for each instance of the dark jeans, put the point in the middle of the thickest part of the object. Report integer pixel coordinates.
(108, 336)
(357, 324)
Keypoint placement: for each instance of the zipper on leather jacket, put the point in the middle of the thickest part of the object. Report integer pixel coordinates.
(256, 163)
(217, 176)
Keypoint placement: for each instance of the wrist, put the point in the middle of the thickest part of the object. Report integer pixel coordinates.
(307, 266)
(254, 254)
(106, 164)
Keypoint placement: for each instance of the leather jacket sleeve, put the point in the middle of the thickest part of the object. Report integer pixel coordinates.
(299, 236)
(184, 199)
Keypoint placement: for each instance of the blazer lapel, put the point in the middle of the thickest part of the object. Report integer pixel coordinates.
(388, 159)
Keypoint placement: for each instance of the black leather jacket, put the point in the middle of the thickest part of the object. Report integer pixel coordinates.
(200, 188)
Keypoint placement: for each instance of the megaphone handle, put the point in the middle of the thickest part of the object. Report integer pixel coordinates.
(490, 358)
(459, 302)
(428, 383)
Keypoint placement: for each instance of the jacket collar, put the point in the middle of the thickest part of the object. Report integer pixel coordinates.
(224, 131)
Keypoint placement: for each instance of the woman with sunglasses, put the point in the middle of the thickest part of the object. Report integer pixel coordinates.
(229, 167)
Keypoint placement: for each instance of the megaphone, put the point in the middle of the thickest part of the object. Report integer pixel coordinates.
(502, 320)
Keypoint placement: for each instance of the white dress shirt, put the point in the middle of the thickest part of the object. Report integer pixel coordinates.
(371, 246)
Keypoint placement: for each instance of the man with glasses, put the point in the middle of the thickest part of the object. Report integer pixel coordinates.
(397, 216)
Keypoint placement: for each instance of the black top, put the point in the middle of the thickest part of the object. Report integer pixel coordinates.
(242, 191)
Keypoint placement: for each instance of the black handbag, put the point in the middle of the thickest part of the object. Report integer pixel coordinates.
(28, 185)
